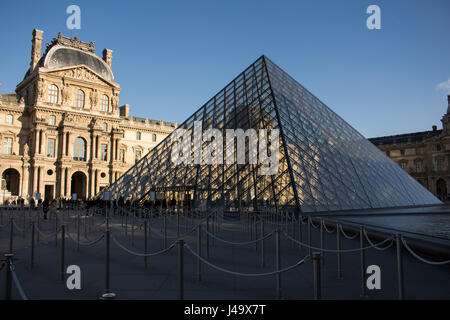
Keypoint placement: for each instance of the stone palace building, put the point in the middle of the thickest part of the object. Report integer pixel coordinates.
(424, 155)
(63, 131)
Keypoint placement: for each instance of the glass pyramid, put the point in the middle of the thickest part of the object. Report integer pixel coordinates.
(324, 164)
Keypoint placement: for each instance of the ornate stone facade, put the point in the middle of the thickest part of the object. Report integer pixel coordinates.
(424, 155)
(63, 131)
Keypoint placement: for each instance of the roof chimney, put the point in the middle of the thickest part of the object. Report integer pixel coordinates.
(107, 56)
(36, 48)
(124, 111)
(448, 108)
(434, 128)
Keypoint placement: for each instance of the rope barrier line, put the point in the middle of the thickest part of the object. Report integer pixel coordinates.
(84, 243)
(312, 223)
(326, 229)
(17, 283)
(4, 225)
(420, 258)
(376, 245)
(333, 250)
(238, 243)
(245, 274)
(347, 236)
(42, 234)
(140, 254)
(17, 227)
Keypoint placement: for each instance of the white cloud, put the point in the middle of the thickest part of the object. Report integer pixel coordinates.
(444, 86)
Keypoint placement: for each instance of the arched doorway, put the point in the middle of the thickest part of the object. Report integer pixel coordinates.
(12, 178)
(441, 189)
(78, 185)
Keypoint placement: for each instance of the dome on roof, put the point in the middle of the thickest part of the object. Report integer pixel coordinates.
(62, 56)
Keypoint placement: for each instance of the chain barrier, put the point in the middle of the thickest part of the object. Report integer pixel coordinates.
(42, 234)
(85, 243)
(375, 245)
(312, 224)
(140, 254)
(237, 243)
(347, 236)
(334, 250)
(246, 274)
(16, 282)
(420, 258)
(326, 229)
(19, 229)
(4, 225)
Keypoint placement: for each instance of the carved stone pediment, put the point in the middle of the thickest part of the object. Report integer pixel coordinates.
(81, 73)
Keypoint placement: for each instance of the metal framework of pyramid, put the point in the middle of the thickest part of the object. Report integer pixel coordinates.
(324, 163)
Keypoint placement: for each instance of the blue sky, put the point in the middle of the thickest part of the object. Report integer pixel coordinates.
(170, 57)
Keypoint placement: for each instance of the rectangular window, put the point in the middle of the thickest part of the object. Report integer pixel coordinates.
(122, 155)
(51, 142)
(419, 166)
(104, 151)
(7, 145)
(137, 155)
(439, 164)
(52, 120)
(403, 165)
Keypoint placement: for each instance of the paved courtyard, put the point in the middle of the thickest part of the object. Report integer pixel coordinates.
(129, 279)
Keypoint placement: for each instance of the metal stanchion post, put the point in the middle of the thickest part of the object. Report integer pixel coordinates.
(56, 230)
(399, 267)
(199, 252)
(107, 238)
(322, 255)
(126, 224)
(207, 237)
(278, 263)
(8, 279)
(256, 234)
(78, 231)
(145, 243)
(250, 222)
(32, 245)
(132, 228)
(63, 237)
(180, 269)
(363, 261)
(37, 235)
(165, 230)
(338, 247)
(11, 235)
(24, 223)
(300, 218)
(85, 225)
(309, 236)
(178, 224)
(262, 244)
(316, 267)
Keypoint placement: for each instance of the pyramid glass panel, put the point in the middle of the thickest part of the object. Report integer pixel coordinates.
(323, 163)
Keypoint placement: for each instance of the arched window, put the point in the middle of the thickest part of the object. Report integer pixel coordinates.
(104, 103)
(105, 126)
(53, 93)
(9, 119)
(154, 137)
(79, 149)
(79, 100)
(138, 135)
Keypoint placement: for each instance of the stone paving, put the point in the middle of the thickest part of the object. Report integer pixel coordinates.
(129, 279)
